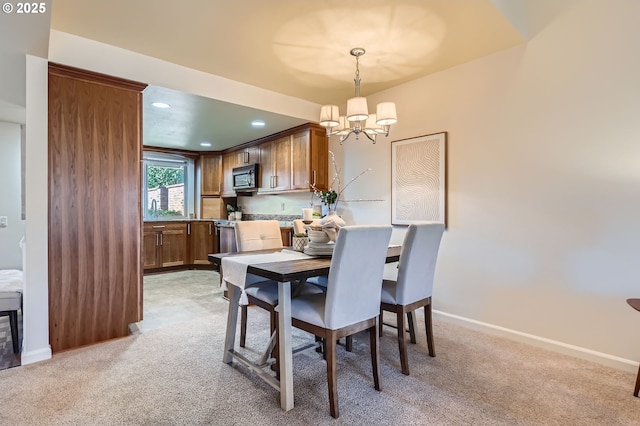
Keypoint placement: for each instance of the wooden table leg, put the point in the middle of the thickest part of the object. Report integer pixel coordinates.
(285, 345)
(232, 320)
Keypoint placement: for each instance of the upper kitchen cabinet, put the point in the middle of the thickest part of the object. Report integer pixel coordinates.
(250, 155)
(211, 174)
(229, 161)
(275, 163)
(310, 159)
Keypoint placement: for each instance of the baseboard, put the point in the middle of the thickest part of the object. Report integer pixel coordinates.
(542, 342)
(31, 357)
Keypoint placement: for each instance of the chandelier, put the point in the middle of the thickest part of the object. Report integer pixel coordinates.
(358, 120)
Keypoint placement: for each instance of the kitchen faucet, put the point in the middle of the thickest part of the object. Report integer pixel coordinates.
(154, 208)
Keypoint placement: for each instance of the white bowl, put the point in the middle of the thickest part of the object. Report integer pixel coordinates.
(318, 236)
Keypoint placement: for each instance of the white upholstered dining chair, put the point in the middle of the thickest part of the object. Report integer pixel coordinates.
(254, 235)
(260, 235)
(414, 284)
(352, 301)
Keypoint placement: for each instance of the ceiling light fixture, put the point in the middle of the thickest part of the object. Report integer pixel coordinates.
(161, 105)
(257, 123)
(358, 120)
(207, 144)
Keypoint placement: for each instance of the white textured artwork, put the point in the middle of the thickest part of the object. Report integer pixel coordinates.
(418, 179)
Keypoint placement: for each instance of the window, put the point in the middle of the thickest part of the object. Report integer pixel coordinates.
(167, 183)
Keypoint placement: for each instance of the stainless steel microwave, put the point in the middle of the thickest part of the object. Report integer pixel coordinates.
(245, 178)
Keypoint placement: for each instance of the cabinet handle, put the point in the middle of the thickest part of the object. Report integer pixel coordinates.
(188, 229)
(160, 239)
(314, 178)
(246, 157)
(209, 228)
(157, 239)
(219, 186)
(158, 226)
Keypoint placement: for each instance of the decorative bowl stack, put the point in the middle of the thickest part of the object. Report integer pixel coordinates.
(319, 242)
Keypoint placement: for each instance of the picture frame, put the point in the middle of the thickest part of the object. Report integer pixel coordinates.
(418, 179)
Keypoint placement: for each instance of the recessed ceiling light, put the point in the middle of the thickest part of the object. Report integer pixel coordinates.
(161, 105)
(205, 143)
(257, 123)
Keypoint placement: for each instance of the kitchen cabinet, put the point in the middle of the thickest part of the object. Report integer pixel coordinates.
(202, 237)
(275, 164)
(310, 159)
(171, 244)
(210, 174)
(94, 221)
(212, 208)
(229, 161)
(287, 236)
(250, 155)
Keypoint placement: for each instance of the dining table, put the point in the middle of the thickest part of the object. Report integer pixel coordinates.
(277, 265)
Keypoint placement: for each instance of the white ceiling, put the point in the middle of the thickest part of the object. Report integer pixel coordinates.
(298, 48)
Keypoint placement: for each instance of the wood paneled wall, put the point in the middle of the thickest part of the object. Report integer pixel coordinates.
(95, 220)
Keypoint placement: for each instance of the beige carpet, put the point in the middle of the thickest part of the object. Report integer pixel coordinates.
(174, 376)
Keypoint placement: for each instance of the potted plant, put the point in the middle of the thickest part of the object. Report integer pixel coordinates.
(300, 241)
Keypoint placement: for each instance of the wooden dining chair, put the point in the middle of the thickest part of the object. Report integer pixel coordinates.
(352, 301)
(414, 284)
(635, 304)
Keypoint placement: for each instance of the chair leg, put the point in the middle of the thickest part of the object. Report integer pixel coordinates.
(380, 322)
(349, 343)
(402, 341)
(332, 383)
(15, 338)
(243, 325)
(374, 342)
(412, 329)
(428, 323)
(637, 389)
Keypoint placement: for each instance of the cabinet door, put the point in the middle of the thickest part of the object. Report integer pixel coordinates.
(202, 235)
(301, 174)
(211, 174)
(265, 183)
(287, 234)
(282, 164)
(173, 244)
(150, 247)
(249, 155)
(319, 158)
(229, 161)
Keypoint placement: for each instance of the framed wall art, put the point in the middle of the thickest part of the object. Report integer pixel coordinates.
(418, 179)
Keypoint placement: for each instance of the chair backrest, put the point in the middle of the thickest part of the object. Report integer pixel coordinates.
(418, 262)
(258, 235)
(298, 225)
(355, 277)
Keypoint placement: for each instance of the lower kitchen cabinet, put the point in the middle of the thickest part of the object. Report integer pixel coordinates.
(175, 244)
(165, 244)
(202, 236)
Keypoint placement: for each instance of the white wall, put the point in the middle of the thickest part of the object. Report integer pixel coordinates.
(543, 180)
(35, 319)
(10, 196)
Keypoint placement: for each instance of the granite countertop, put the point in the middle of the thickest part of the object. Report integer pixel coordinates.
(223, 223)
(177, 220)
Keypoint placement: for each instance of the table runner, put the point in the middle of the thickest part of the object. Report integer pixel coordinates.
(235, 267)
